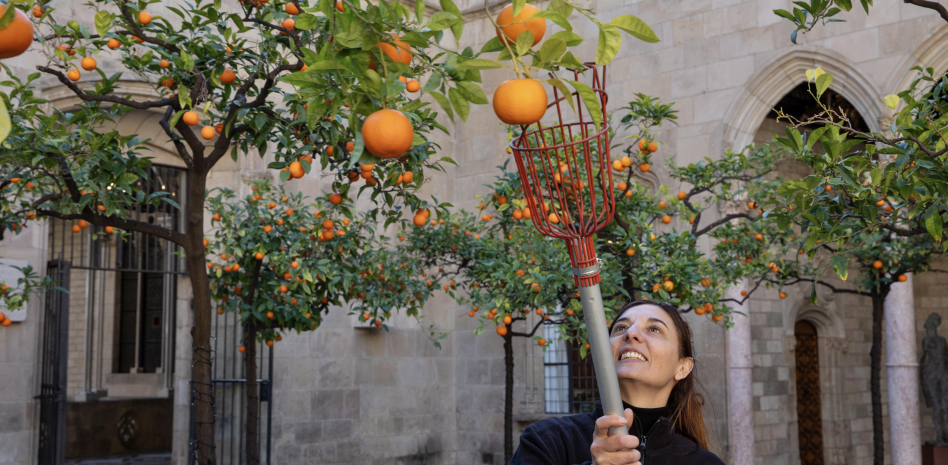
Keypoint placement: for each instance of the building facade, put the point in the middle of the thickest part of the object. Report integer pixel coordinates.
(347, 394)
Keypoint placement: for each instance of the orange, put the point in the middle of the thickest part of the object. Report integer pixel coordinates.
(292, 9)
(37, 11)
(617, 165)
(73, 75)
(520, 101)
(903, 278)
(399, 53)
(643, 144)
(76, 228)
(877, 264)
(219, 128)
(387, 133)
(88, 63)
(144, 18)
(335, 199)
(502, 330)
(296, 170)
(241, 349)
(109, 229)
(644, 167)
(419, 219)
(114, 44)
(339, 6)
(706, 282)
(407, 176)
(17, 37)
(783, 296)
(217, 217)
(512, 27)
(412, 86)
(662, 204)
(682, 195)
(652, 147)
(288, 24)
(190, 118)
(666, 219)
(164, 63)
(743, 292)
(228, 76)
(207, 132)
(630, 252)
(626, 161)
(350, 146)
(83, 224)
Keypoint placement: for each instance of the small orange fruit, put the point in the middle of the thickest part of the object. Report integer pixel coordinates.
(512, 27)
(88, 63)
(109, 229)
(37, 11)
(288, 24)
(228, 76)
(339, 6)
(387, 133)
(207, 132)
(190, 118)
(903, 278)
(412, 86)
(296, 170)
(73, 75)
(666, 219)
(335, 199)
(644, 167)
(682, 195)
(291, 8)
(520, 101)
(144, 18)
(502, 330)
(783, 296)
(114, 44)
(164, 63)
(877, 264)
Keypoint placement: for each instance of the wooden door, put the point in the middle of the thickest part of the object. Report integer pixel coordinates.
(809, 411)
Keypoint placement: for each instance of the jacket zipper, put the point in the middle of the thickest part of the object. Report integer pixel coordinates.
(645, 436)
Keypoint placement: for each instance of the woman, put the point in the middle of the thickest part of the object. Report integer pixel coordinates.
(652, 349)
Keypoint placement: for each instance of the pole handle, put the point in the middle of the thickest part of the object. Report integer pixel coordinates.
(601, 348)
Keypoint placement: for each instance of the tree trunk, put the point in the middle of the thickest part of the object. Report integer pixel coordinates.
(508, 396)
(202, 356)
(875, 375)
(253, 398)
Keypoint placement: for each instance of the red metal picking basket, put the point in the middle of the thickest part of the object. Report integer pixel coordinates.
(567, 176)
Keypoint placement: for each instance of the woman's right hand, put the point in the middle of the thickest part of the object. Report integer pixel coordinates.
(614, 450)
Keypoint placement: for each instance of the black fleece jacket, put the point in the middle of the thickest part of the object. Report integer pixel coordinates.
(566, 441)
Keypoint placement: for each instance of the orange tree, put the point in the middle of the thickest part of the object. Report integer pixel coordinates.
(280, 263)
(15, 296)
(506, 269)
(351, 98)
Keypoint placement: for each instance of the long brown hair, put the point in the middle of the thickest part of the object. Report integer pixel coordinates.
(685, 402)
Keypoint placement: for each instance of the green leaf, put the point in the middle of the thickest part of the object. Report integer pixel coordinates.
(557, 18)
(635, 27)
(460, 103)
(176, 117)
(891, 101)
(591, 99)
(187, 61)
(5, 125)
(479, 63)
(457, 28)
(442, 20)
(306, 21)
(840, 264)
(822, 83)
(420, 10)
(552, 49)
(570, 61)
(103, 21)
(933, 223)
(563, 7)
(561, 86)
(492, 45)
(876, 175)
(445, 104)
(609, 42)
(517, 8)
(524, 42)
(7, 17)
(183, 98)
(571, 38)
(845, 4)
(473, 93)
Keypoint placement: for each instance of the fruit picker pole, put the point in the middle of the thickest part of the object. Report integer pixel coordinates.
(600, 346)
(577, 213)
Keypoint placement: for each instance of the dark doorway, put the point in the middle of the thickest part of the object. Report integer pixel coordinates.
(809, 411)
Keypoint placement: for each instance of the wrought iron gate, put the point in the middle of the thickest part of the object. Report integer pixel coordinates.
(228, 379)
(52, 396)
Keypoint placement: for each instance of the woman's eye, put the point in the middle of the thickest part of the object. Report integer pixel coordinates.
(618, 329)
(656, 328)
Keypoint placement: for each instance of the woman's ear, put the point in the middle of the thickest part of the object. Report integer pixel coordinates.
(685, 366)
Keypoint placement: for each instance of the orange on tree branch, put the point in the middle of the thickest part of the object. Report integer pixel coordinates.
(104, 98)
(182, 150)
(138, 32)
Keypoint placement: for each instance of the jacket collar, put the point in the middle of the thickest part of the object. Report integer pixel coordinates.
(662, 433)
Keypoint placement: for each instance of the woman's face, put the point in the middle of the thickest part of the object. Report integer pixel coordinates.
(648, 335)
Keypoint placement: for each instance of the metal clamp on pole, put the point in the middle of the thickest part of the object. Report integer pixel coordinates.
(589, 270)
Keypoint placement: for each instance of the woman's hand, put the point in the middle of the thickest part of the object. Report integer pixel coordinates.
(614, 450)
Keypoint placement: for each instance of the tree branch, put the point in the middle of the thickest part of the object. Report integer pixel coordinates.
(104, 98)
(722, 221)
(128, 225)
(931, 6)
(182, 150)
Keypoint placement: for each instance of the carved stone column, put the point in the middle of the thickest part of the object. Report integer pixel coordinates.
(902, 370)
(739, 389)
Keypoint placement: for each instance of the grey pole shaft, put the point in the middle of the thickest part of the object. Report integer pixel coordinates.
(603, 360)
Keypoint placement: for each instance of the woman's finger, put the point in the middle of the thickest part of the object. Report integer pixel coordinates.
(605, 422)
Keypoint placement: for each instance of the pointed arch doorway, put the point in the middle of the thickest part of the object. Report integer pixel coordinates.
(809, 408)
